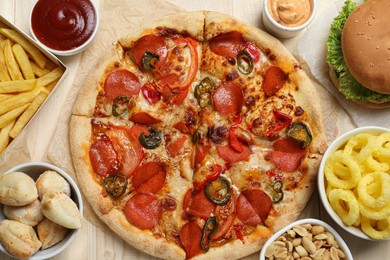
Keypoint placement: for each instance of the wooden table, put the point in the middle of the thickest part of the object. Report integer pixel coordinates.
(95, 240)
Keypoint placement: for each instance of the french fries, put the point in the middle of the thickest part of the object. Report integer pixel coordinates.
(23, 61)
(28, 114)
(26, 79)
(17, 86)
(39, 58)
(4, 76)
(4, 136)
(11, 115)
(10, 61)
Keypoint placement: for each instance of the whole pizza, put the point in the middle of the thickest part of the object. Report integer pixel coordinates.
(198, 137)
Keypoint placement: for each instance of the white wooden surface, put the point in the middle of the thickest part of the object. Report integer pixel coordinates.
(95, 240)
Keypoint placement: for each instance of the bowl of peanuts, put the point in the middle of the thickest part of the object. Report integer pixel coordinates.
(354, 182)
(306, 239)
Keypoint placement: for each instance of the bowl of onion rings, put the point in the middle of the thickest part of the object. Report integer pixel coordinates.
(354, 182)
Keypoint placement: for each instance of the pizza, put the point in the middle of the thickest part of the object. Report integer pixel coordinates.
(197, 137)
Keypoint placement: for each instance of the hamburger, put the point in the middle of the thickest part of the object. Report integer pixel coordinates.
(358, 53)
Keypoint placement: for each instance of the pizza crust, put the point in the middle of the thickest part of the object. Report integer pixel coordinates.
(236, 248)
(190, 23)
(80, 134)
(86, 99)
(142, 239)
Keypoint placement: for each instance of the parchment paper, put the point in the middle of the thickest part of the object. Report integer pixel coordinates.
(312, 49)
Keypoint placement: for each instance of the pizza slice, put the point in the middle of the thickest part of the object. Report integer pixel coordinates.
(135, 177)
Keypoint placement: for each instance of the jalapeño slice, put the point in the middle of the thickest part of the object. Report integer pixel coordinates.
(212, 225)
(301, 133)
(149, 59)
(196, 136)
(244, 62)
(115, 185)
(277, 193)
(152, 140)
(119, 106)
(203, 92)
(218, 191)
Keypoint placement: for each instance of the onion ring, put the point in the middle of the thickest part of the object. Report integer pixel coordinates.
(353, 167)
(374, 233)
(349, 214)
(363, 145)
(382, 181)
(375, 214)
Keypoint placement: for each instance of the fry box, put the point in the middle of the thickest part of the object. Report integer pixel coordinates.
(29, 74)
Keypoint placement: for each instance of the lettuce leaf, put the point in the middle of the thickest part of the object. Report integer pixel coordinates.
(349, 86)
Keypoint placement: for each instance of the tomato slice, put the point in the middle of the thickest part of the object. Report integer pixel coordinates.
(129, 150)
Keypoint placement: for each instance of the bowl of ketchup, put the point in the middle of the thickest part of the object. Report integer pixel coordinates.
(64, 27)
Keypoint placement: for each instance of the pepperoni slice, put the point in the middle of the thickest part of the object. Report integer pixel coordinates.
(151, 43)
(228, 98)
(103, 157)
(274, 79)
(288, 145)
(137, 130)
(200, 206)
(253, 206)
(128, 148)
(231, 156)
(144, 118)
(121, 83)
(149, 178)
(190, 237)
(143, 211)
(288, 154)
(288, 162)
(227, 44)
(175, 147)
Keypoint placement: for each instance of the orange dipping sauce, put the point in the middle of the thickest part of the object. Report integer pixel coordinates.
(63, 24)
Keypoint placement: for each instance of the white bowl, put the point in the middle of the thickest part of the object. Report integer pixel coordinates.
(69, 52)
(335, 145)
(280, 30)
(342, 244)
(34, 169)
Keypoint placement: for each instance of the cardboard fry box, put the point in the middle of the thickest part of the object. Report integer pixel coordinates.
(53, 60)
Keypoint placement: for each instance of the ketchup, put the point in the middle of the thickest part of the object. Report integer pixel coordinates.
(63, 24)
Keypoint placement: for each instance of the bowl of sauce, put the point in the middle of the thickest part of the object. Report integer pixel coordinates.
(286, 18)
(64, 27)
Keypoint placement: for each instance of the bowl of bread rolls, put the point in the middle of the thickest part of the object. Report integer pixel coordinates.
(41, 211)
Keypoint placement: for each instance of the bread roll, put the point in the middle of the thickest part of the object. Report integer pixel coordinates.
(61, 209)
(51, 181)
(50, 233)
(31, 214)
(19, 239)
(17, 189)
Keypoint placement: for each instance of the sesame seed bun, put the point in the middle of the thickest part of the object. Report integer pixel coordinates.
(366, 45)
